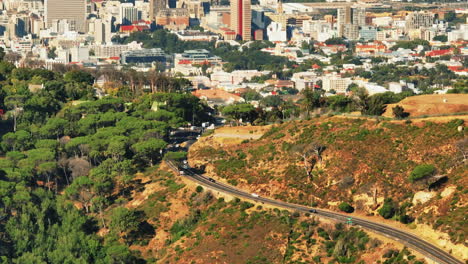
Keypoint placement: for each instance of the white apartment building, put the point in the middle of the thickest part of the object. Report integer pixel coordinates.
(336, 83)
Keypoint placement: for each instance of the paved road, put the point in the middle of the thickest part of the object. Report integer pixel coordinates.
(410, 240)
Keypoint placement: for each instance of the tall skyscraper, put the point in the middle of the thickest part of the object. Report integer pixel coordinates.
(73, 11)
(241, 18)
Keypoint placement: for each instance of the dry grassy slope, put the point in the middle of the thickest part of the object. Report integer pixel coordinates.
(233, 231)
(363, 159)
(432, 104)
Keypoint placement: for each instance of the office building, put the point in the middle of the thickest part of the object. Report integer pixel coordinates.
(417, 20)
(359, 16)
(144, 56)
(74, 11)
(102, 31)
(368, 33)
(343, 18)
(199, 56)
(241, 18)
(128, 14)
(348, 16)
(79, 54)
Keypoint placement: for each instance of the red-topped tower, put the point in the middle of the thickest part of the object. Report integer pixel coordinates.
(241, 18)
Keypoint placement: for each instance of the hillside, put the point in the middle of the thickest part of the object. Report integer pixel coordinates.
(431, 104)
(363, 163)
(185, 223)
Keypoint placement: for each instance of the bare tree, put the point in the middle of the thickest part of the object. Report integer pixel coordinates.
(12, 57)
(78, 167)
(462, 147)
(309, 154)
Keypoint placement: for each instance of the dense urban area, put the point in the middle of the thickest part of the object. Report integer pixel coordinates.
(233, 131)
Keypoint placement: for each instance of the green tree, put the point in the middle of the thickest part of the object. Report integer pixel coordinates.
(388, 209)
(79, 76)
(442, 38)
(244, 111)
(54, 127)
(149, 150)
(346, 207)
(124, 220)
(272, 101)
(312, 100)
(399, 112)
(422, 171)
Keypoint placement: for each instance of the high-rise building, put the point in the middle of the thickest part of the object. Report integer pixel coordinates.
(348, 16)
(102, 31)
(343, 18)
(155, 7)
(359, 16)
(241, 18)
(351, 31)
(128, 14)
(73, 11)
(417, 20)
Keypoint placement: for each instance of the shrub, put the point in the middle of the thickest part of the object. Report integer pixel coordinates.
(346, 207)
(199, 189)
(388, 209)
(421, 171)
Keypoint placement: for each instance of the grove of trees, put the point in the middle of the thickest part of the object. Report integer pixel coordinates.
(65, 155)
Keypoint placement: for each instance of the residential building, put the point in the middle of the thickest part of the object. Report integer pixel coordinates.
(335, 83)
(218, 97)
(459, 34)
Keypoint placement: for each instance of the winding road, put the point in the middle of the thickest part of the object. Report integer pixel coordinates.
(427, 249)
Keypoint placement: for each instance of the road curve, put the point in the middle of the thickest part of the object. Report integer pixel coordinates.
(433, 252)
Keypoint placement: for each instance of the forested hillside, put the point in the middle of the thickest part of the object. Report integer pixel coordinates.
(67, 157)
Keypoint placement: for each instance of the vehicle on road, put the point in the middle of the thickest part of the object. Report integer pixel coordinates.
(255, 195)
(313, 211)
(181, 172)
(211, 180)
